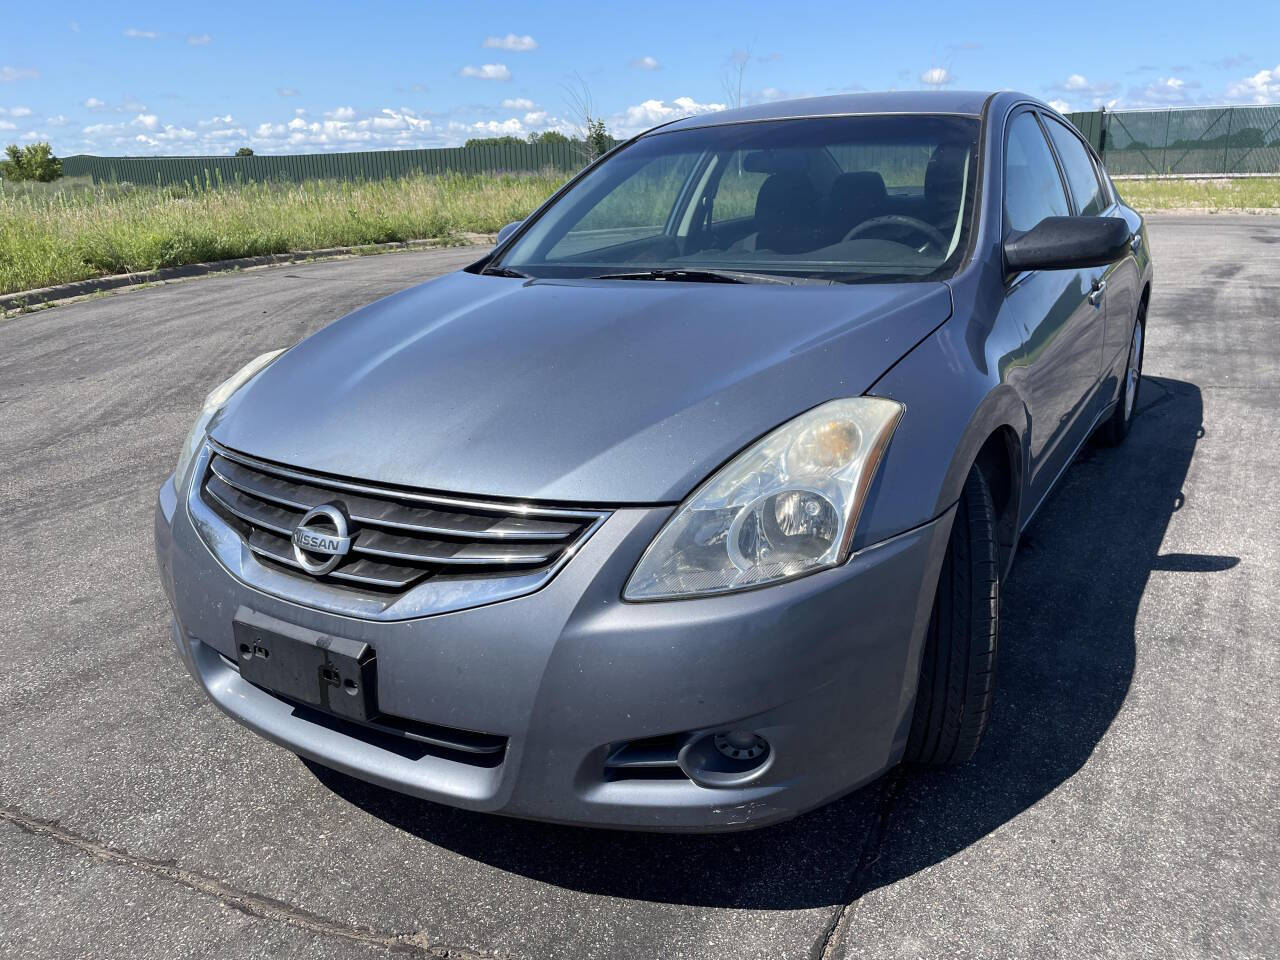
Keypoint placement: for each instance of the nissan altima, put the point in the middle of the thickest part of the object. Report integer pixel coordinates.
(687, 507)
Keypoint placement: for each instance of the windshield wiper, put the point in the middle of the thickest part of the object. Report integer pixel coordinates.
(698, 276)
(505, 272)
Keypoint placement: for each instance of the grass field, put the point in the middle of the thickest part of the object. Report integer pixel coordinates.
(1216, 196)
(73, 230)
(55, 233)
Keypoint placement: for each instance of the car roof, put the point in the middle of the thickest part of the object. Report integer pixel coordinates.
(967, 102)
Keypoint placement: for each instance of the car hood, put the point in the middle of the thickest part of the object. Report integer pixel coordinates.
(597, 391)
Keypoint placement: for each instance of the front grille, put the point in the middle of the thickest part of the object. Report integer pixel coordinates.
(400, 538)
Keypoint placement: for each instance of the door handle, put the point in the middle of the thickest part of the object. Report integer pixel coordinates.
(1135, 242)
(1099, 288)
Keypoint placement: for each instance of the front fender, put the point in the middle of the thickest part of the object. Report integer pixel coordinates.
(954, 404)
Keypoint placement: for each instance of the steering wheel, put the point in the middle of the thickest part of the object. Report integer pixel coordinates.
(928, 231)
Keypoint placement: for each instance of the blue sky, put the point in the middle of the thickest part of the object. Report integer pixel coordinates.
(282, 77)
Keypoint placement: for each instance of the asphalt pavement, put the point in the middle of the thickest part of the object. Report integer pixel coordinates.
(1126, 802)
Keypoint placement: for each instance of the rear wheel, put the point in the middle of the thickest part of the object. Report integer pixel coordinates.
(957, 670)
(1117, 426)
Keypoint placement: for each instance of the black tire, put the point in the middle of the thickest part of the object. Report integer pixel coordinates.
(1116, 427)
(958, 666)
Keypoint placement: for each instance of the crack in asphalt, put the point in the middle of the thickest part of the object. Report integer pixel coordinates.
(830, 940)
(250, 904)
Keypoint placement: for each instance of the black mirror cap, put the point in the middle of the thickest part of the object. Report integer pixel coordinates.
(1064, 243)
(509, 229)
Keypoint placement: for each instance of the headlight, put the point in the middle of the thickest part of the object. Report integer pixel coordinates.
(212, 404)
(785, 506)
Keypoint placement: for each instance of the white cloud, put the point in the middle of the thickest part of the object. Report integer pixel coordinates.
(387, 128)
(177, 139)
(74, 26)
(199, 39)
(499, 128)
(140, 34)
(1262, 87)
(518, 103)
(220, 135)
(342, 128)
(1162, 92)
(1060, 105)
(1081, 88)
(58, 121)
(6, 125)
(487, 71)
(93, 103)
(15, 112)
(646, 63)
(1230, 62)
(511, 41)
(13, 74)
(287, 91)
(642, 116)
(936, 77)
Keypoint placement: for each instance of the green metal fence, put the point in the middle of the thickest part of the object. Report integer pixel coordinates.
(368, 165)
(1204, 141)
(1223, 141)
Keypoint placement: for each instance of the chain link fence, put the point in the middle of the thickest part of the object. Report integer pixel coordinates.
(1199, 141)
(367, 165)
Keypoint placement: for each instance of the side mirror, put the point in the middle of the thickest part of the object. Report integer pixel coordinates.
(509, 229)
(1063, 243)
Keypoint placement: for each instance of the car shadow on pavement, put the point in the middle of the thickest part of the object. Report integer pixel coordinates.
(1066, 662)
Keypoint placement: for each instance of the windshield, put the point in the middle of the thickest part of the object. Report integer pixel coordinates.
(844, 199)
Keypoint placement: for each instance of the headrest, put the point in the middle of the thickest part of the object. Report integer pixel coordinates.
(858, 192)
(785, 200)
(945, 174)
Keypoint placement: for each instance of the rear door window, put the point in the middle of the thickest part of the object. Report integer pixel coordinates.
(1090, 198)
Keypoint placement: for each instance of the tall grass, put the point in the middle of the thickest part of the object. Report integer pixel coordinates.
(75, 231)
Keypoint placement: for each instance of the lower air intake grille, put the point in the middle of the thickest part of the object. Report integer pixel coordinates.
(399, 538)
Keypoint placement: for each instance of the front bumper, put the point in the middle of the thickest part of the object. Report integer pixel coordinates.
(824, 667)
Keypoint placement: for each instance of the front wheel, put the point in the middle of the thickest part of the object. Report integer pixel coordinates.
(958, 666)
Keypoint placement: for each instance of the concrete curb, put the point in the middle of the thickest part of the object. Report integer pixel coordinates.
(81, 288)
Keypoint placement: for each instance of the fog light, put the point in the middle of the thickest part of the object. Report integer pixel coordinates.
(740, 744)
(726, 759)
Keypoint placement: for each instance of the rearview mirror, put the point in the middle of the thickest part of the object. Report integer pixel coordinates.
(1062, 243)
(509, 229)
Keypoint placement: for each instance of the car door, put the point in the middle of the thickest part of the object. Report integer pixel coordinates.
(1116, 283)
(1058, 311)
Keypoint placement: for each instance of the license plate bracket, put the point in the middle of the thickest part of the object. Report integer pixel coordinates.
(333, 674)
